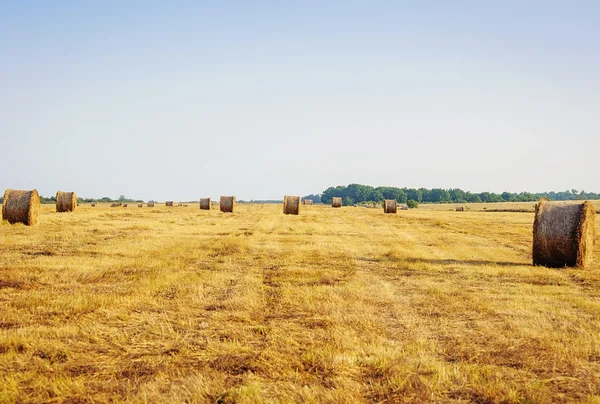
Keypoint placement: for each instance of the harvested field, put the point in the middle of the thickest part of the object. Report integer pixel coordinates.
(334, 305)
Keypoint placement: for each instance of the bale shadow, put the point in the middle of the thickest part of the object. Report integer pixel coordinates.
(464, 262)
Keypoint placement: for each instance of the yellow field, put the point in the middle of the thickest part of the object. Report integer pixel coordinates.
(335, 305)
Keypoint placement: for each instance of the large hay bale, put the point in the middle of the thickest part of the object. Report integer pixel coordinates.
(308, 201)
(94, 205)
(291, 205)
(180, 204)
(563, 235)
(390, 206)
(404, 207)
(113, 205)
(150, 204)
(226, 203)
(205, 203)
(169, 203)
(336, 202)
(460, 208)
(66, 201)
(124, 205)
(21, 207)
(140, 205)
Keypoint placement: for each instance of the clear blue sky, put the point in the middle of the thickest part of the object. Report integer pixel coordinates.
(185, 99)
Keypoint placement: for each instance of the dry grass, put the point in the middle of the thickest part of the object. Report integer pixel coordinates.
(164, 305)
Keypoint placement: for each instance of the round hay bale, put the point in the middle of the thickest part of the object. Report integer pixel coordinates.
(169, 203)
(308, 201)
(404, 207)
(390, 206)
(291, 205)
(150, 204)
(93, 205)
(21, 207)
(124, 205)
(140, 205)
(66, 201)
(563, 235)
(180, 204)
(227, 203)
(205, 203)
(460, 208)
(336, 202)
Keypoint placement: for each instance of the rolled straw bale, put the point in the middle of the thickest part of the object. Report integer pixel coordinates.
(563, 235)
(140, 205)
(113, 205)
(169, 203)
(66, 201)
(124, 205)
(21, 207)
(291, 205)
(179, 204)
(460, 208)
(205, 203)
(227, 203)
(150, 204)
(308, 201)
(93, 205)
(390, 206)
(336, 202)
(404, 207)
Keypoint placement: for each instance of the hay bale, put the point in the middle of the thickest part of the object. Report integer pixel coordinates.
(124, 205)
(291, 205)
(94, 205)
(460, 208)
(169, 203)
(227, 203)
(308, 201)
(66, 201)
(563, 235)
(390, 206)
(179, 204)
(140, 205)
(205, 203)
(404, 207)
(150, 204)
(113, 205)
(336, 202)
(21, 207)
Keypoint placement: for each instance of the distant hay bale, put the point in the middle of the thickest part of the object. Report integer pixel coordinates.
(205, 203)
(404, 207)
(21, 207)
(150, 204)
(140, 205)
(390, 206)
(308, 201)
(227, 203)
(336, 202)
(169, 203)
(291, 205)
(93, 205)
(179, 204)
(124, 205)
(66, 201)
(563, 235)
(114, 205)
(460, 208)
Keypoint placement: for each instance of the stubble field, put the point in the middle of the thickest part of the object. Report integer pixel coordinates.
(334, 305)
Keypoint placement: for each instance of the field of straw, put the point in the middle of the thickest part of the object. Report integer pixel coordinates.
(334, 305)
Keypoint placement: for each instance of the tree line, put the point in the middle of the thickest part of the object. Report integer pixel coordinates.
(357, 193)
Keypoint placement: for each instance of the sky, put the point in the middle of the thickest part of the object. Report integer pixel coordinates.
(186, 99)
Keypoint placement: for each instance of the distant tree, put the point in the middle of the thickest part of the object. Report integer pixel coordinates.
(412, 204)
(348, 201)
